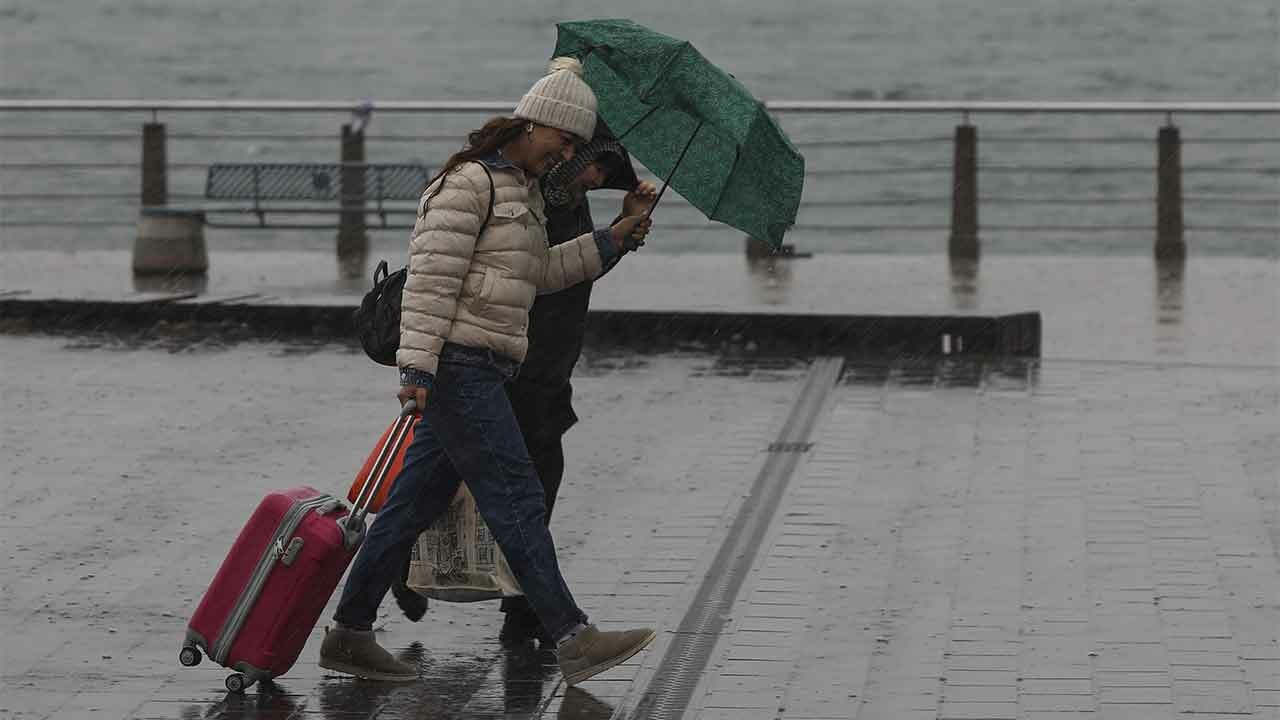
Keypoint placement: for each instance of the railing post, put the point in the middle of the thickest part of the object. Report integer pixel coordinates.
(353, 242)
(1170, 244)
(154, 165)
(964, 195)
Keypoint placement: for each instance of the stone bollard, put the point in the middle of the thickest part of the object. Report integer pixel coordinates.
(353, 241)
(1170, 244)
(170, 242)
(757, 248)
(963, 244)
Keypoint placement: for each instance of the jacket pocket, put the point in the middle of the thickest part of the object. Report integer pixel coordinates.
(473, 285)
(510, 212)
(486, 287)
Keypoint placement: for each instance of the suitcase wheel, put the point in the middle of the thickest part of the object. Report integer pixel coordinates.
(237, 682)
(189, 656)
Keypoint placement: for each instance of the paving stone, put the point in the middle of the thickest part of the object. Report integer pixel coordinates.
(959, 662)
(978, 711)
(1193, 696)
(1137, 712)
(1061, 703)
(737, 713)
(1056, 686)
(1213, 673)
(1136, 695)
(1266, 698)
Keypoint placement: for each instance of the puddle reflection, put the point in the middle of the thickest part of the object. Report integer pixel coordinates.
(1002, 374)
(352, 268)
(173, 283)
(446, 685)
(964, 284)
(269, 702)
(513, 682)
(581, 705)
(766, 368)
(909, 371)
(526, 671)
(771, 277)
(1170, 296)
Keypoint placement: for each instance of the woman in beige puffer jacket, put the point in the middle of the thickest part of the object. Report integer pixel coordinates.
(477, 257)
(476, 290)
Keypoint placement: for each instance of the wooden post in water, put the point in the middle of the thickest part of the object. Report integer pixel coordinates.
(154, 165)
(964, 195)
(353, 242)
(1170, 244)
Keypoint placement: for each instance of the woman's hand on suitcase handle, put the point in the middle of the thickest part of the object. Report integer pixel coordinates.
(414, 395)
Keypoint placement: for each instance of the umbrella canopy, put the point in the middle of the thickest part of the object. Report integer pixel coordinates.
(691, 123)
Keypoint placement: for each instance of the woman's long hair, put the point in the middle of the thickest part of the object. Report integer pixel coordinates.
(497, 132)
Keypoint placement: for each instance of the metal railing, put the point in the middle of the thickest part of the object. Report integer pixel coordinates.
(876, 169)
(932, 107)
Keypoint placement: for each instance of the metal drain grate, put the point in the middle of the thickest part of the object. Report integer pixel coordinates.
(669, 692)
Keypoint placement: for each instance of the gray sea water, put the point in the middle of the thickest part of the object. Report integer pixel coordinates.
(857, 192)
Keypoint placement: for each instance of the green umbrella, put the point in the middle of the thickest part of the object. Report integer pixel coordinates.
(691, 123)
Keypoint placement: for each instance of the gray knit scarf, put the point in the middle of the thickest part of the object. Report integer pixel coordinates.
(558, 179)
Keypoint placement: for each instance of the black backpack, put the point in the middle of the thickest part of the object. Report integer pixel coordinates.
(377, 320)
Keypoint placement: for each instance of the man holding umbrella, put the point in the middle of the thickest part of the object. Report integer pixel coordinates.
(541, 394)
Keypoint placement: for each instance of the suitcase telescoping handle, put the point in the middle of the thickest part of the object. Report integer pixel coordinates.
(353, 526)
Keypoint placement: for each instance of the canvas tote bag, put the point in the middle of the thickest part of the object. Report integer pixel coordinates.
(457, 560)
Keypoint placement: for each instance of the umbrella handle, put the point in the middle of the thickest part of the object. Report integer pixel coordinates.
(672, 174)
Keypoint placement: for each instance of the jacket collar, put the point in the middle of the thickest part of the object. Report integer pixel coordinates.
(497, 162)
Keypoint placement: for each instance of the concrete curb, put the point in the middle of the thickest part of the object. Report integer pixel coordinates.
(1016, 335)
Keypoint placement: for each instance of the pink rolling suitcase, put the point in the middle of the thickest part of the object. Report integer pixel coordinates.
(270, 590)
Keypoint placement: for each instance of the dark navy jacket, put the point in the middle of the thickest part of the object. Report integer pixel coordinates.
(541, 393)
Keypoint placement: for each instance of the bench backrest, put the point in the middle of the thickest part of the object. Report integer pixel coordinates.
(315, 181)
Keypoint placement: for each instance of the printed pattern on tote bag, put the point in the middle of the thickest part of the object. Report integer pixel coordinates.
(457, 558)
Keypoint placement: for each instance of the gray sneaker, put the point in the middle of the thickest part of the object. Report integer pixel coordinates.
(593, 651)
(356, 652)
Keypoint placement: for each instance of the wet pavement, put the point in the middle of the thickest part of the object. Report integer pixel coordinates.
(1090, 535)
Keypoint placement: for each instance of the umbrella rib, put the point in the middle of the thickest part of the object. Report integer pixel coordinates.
(737, 156)
(672, 174)
(636, 124)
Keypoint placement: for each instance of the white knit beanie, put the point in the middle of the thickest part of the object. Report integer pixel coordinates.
(561, 99)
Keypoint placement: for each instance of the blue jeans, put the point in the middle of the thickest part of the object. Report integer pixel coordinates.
(469, 420)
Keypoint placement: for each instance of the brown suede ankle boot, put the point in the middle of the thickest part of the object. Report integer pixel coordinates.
(592, 651)
(356, 652)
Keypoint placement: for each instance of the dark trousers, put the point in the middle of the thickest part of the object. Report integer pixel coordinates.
(548, 461)
(544, 417)
(468, 432)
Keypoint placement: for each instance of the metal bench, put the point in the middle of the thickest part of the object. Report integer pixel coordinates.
(171, 239)
(317, 188)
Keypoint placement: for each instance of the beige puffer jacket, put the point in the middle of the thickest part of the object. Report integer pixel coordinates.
(477, 291)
